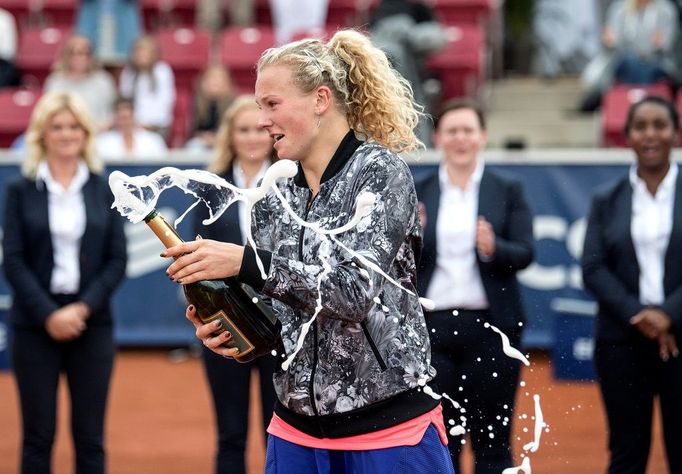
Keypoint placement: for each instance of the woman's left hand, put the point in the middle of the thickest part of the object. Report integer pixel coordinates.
(204, 260)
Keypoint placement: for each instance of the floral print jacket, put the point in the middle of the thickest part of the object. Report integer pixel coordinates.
(369, 340)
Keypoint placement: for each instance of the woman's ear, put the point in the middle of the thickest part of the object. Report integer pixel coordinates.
(323, 99)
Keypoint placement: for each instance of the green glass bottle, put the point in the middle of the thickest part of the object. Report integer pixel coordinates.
(255, 329)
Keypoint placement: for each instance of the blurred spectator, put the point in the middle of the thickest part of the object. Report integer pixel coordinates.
(638, 48)
(211, 13)
(127, 139)
(151, 84)
(215, 92)
(290, 16)
(478, 234)
(243, 153)
(407, 31)
(9, 76)
(566, 36)
(111, 25)
(630, 263)
(77, 70)
(65, 254)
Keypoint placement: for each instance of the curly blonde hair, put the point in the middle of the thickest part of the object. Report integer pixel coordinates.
(377, 101)
(47, 107)
(224, 153)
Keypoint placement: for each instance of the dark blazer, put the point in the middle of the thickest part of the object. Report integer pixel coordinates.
(28, 253)
(226, 228)
(502, 202)
(610, 267)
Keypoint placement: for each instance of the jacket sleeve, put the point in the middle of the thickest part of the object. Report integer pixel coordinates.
(513, 248)
(97, 292)
(24, 282)
(343, 286)
(609, 290)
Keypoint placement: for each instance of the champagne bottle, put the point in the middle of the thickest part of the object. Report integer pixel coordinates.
(255, 329)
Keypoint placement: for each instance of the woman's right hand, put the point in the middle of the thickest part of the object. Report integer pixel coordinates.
(205, 333)
(66, 323)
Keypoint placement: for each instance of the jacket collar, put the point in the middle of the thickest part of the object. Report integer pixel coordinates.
(341, 156)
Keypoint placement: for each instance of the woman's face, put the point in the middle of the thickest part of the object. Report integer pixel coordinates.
(80, 56)
(460, 137)
(216, 84)
(287, 113)
(64, 137)
(144, 54)
(652, 135)
(250, 141)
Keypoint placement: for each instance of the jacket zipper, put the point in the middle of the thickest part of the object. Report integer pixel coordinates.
(311, 389)
(374, 347)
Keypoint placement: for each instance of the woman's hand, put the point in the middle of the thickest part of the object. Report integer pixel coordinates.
(66, 323)
(205, 333)
(667, 346)
(485, 238)
(204, 260)
(651, 322)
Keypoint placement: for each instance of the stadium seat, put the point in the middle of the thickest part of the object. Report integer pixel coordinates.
(187, 51)
(38, 49)
(48, 12)
(240, 48)
(615, 105)
(460, 65)
(16, 105)
(457, 12)
(165, 13)
(182, 116)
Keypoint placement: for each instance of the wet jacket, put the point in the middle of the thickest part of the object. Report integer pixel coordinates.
(363, 360)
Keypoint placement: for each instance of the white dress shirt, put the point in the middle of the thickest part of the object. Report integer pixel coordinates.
(456, 281)
(240, 182)
(66, 216)
(146, 144)
(153, 102)
(651, 224)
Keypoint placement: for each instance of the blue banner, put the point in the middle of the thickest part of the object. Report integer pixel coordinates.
(149, 308)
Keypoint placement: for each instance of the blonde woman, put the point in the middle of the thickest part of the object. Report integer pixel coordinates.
(65, 253)
(352, 399)
(150, 82)
(243, 152)
(76, 70)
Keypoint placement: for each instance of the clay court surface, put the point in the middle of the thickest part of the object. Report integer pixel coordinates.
(160, 421)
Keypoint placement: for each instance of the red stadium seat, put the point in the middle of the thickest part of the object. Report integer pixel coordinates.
(187, 51)
(457, 12)
(51, 12)
(16, 105)
(38, 49)
(460, 65)
(182, 113)
(615, 105)
(164, 13)
(240, 48)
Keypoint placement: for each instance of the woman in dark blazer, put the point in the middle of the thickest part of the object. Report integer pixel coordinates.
(243, 153)
(477, 235)
(65, 253)
(632, 263)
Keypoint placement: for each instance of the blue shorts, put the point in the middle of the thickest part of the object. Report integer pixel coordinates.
(429, 455)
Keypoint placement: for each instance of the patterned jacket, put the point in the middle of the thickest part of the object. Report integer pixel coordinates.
(369, 346)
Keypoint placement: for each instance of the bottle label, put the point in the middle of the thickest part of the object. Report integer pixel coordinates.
(239, 340)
